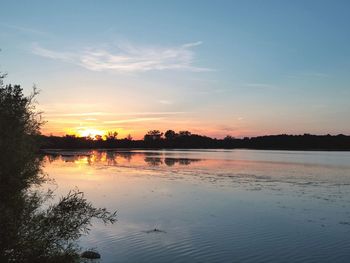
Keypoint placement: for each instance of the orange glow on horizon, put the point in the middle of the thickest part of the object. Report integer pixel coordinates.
(139, 129)
(138, 133)
(90, 132)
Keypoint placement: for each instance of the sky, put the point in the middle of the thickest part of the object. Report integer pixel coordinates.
(240, 68)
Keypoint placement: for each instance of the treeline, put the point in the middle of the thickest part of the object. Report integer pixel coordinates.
(184, 139)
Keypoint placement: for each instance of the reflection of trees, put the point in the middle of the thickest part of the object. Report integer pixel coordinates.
(156, 161)
(126, 155)
(183, 161)
(111, 158)
(32, 229)
(52, 157)
(180, 161)
(153, 161)
(186, 161)
(169, 161)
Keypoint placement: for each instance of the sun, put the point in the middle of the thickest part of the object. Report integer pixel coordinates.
(90, 132)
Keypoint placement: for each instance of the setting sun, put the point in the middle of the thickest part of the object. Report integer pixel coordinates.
(89, 132)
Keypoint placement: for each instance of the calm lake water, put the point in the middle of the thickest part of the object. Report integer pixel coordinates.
(213, 205)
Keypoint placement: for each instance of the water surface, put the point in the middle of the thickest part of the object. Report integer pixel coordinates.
(213, 205)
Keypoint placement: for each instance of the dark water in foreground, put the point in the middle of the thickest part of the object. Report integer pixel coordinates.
(214, 206)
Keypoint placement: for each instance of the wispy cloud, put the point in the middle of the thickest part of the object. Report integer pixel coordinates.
(316, 74)
(165, 102)
(308, 74)
(64, 56)
(90, 114)
(132, 120)
(259, 85)
(83, 114)
(128, 58)
(90, 121)
(24, 29)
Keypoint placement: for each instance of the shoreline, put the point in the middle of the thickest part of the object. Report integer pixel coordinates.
(48, 150)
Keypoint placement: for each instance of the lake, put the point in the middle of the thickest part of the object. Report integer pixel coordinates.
(212, 205)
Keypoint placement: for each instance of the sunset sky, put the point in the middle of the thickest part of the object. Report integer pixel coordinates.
(243, 68)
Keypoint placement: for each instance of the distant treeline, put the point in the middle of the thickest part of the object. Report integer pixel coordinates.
(185, 139)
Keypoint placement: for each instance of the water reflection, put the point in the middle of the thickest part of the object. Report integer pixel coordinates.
(215, 206)
(320, 181)
(115, 158)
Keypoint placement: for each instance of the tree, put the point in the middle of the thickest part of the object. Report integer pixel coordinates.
(31, 231)
(98, 137)
(19, 126)
(153, 135)
(229, 138)
(184, 133)
(111, 136)
(170, 135)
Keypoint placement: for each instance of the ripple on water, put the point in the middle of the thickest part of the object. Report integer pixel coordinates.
(244, 206)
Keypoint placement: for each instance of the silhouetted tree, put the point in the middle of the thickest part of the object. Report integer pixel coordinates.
(184, 133)
(170, 135)
(19, 125)
(29, 231)
(98, 137)
(287, 142)
(153, 135)
(111, 136)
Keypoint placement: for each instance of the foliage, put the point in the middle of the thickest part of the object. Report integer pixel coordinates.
(189, 140)
(29, 232)
(184, 133)
(49, 235)
(170, 135)
(111, 136)
(19, 126)
(153, 135)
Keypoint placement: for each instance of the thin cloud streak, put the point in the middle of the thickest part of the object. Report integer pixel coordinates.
(259, 85)
(128, 58)
(23, 29)
(165, 102)
(86, 121)
(132, 120)
(88, 114)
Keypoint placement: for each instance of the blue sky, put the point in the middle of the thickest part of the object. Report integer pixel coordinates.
(214, 67)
